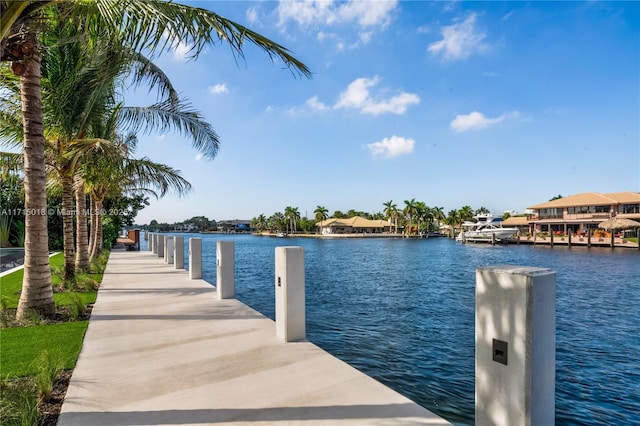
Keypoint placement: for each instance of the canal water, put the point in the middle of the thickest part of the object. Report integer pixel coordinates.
(402, 311)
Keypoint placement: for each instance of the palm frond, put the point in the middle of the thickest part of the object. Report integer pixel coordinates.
(145, 173)
(168, 116)
(158, 25)
(144, 70)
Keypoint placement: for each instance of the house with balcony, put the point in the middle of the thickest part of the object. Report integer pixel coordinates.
(581, 212)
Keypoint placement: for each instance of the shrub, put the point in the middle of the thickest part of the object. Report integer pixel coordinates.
(47, 366)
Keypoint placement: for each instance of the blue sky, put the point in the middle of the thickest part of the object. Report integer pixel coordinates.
(495, 104)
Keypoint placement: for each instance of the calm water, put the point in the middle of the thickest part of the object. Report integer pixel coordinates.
(402, 311)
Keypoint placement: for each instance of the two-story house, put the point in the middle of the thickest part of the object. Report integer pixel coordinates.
(580, 212)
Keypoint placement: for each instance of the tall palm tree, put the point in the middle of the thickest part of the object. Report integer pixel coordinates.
(321, 213)
(114, 172)
(154, 25)
(291, 215)
(422, 214)
(410, 210)
(390, 213)
(438, 214)
(79, 91)
(453, 219)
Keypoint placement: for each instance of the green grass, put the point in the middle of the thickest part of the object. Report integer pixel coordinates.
(11, 284)
(22, 346)
(33, 355)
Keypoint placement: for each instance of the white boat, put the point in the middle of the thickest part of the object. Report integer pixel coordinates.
(486, 228)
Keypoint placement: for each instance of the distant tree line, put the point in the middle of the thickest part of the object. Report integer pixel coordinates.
(412, 218)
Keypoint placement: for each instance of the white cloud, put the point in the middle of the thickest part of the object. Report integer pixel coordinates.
(357, 96)
(218, 89)
(198, 157)
(490, 74)
(392, 147)
(314, 103)
(181, 51)
(476, 120)
(253, 15)
(459, 41)
(327, 12)
(365, 16)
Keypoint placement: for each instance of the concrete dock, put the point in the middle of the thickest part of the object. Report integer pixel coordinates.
(162, 350)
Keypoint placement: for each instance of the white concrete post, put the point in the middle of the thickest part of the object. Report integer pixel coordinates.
(225, 270)
(195, 258)
(155, 243)
(169, 252)
(290, 302)
(161, 246)
(149, 242)
(178, 247)
(515, 346)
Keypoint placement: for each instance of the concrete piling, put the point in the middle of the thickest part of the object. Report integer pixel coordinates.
(178, 247)
(515, 346)
(169, 252)
(160, 246)
(290, 294)
(225, 269)
(195, 258)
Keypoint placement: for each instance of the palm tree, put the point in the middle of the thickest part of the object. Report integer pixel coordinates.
(113, 172)
(78, 92)
(482, 210)
(82, 231)
(321, 214)
(453, 219)
(277, 222)
(410, 210)
(260, 222)
(154, 25)
(438, 215)
(291, 215)
(422, 214)
(390, 212)
(466, 213)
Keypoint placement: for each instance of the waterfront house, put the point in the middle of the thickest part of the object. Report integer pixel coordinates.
(520, 222)
(234, 226)
(582, 212)
(353, 225)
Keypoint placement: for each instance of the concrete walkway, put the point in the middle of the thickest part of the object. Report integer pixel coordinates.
(161, 350)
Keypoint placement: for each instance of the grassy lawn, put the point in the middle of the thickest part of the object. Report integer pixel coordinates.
(21, 346)
(36, 351)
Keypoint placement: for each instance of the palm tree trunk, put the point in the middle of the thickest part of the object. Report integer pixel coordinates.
(67, 226)
(37, 293)
(92, 223)
(97, 241)
(82, 237)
